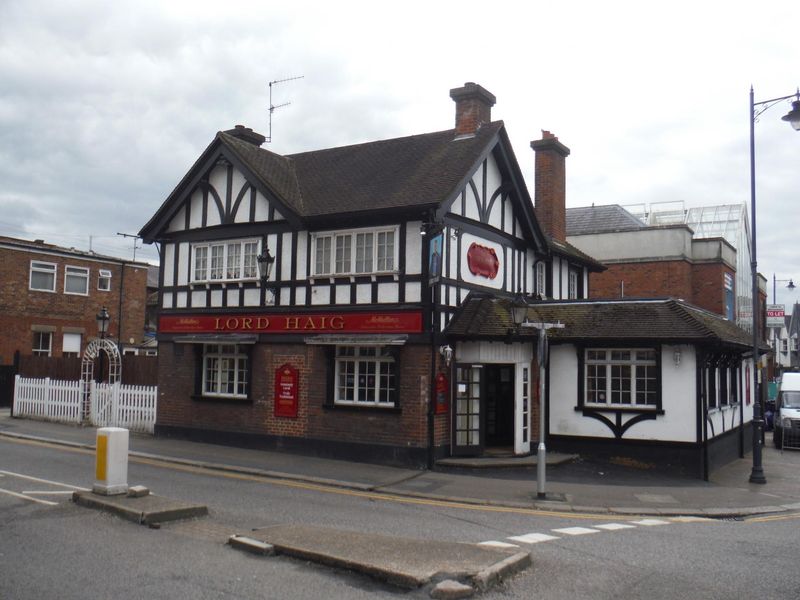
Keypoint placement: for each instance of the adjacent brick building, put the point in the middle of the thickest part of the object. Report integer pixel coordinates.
(50, 296)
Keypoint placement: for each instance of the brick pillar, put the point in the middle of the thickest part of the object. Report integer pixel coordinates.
(550, 185)
(473, 107)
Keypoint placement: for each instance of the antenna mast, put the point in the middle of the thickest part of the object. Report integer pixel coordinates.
(272, 107)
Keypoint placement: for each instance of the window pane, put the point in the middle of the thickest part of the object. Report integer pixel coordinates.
(363, 253)
(43, 281)
(386, 251)
(344, 245)
(201, 263)
(365, 375)
(225, 371)
(234, 261)
(250, 260)
(323, 258)
(217, 261)
(76, 280)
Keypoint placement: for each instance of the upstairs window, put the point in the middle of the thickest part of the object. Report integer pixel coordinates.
(572, 289)
(43, 276)
(541, 279)
(355, 252)
(76, 280)
(225, 261)
(104, 280)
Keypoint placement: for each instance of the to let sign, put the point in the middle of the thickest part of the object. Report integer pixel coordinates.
(775, 315)
(286, 391)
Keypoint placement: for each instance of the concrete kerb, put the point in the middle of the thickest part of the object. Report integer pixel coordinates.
(513, 564)
(387, 489)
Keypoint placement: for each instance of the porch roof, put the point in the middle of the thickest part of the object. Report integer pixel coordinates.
(667, 320)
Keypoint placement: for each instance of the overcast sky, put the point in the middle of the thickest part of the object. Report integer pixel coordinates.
(105, 105)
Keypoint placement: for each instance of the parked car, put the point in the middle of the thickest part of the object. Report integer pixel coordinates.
(787, 412)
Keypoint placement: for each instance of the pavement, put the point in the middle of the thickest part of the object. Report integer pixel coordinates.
(443, 569)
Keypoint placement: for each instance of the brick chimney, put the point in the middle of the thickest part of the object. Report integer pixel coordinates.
(550, 185)
(247, 135)
(473, 107)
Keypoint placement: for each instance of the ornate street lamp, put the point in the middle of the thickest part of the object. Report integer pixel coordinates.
(102, 319)
(793, 117)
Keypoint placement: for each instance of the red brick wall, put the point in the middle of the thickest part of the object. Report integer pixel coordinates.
(698, 284)
(643, 280)
(21, 308)
(405, 428)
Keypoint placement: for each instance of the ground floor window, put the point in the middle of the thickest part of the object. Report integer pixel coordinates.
(42, 343)
(365, 375)
(225, 370)
(621, 377)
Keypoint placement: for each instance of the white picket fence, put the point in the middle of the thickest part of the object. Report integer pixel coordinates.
(110, 404)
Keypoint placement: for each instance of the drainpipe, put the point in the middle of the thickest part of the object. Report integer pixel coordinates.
(119, 310)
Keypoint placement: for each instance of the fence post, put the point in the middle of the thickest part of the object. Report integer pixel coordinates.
(46, 398)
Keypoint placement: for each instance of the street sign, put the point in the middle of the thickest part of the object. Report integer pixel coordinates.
(775, 315)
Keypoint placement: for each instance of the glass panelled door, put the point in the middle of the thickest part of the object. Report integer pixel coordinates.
(467, 438)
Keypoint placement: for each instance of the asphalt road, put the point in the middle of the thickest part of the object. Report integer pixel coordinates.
(50, 548)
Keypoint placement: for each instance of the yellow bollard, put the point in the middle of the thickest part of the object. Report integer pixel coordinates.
(111, 462)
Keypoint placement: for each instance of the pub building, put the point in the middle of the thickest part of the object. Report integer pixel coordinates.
(304, 299)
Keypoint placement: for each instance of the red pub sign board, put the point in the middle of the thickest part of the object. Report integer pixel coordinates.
(286, 391)
(373, 322)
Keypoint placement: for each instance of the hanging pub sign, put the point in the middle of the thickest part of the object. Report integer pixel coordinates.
(442, 392)
(286, 391)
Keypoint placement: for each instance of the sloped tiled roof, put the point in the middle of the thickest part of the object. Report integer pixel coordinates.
(599, 219)
(409, 171)
(567, 249)
(667, 320)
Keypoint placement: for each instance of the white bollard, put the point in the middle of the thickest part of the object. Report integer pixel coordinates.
(111, 466)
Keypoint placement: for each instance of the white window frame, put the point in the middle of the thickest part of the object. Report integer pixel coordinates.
(361, 363)
(572, 285)
(609, 362)
(344, 253)
(214, 262)
(38, 266)
(217, 370)
(71, 336)
(77, 273)
(540, 273)
(40, 349)
(104, 280)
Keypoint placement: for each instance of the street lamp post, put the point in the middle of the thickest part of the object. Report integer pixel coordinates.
(792, 117)
(102, 319)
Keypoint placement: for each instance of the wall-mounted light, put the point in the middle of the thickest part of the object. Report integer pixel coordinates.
(447, 354)
(265, 263)
(676, 356)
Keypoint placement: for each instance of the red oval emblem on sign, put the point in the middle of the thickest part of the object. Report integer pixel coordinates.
(482, 261)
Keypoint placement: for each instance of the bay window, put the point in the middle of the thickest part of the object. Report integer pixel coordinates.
(355, 252)
(225, 261)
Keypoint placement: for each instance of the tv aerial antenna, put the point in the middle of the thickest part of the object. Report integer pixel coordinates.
(272, 106)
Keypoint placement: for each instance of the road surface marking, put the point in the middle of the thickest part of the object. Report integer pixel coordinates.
(47, 493)
(16, 495)
(575, 530)
(614, 526)
(651, 522)
(38, 480)
(498, 545)
(533, 538)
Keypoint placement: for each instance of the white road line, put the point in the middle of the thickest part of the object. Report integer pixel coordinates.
(575, 530)
(498, 545)
(651, 522)
(533, 538)
(614, 526)
(691, 519)
(16, 495)
(29, 478)
(47, 493)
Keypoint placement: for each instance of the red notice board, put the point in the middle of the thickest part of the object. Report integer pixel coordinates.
(287, 387)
